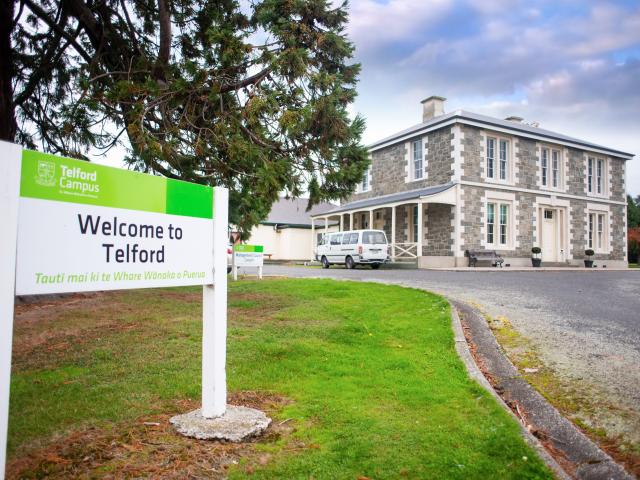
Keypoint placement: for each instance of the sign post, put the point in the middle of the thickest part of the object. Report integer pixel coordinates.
(72, 226)
(248, 256)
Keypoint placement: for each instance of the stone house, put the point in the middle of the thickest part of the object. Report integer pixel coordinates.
(463, 181)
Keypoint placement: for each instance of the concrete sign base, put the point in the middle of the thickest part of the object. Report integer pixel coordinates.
(236, 425)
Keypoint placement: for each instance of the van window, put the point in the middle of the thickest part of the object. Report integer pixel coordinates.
(373, 238)
(335, 239)
(353, 238)
(345, 238)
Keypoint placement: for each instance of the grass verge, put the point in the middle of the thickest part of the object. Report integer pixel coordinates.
(576, 400)
(362, 381)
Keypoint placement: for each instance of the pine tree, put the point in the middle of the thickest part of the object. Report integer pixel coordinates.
(250, 97)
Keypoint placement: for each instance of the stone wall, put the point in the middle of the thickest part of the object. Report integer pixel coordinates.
(389, 166)
(525, 217)
(526, 163)
(438, 236)
(472, 154)
(618, 188)
(576, 172)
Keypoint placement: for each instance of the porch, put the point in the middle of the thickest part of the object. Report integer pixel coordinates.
(419, 224)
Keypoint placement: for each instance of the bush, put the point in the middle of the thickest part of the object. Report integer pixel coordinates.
(588, 252)
(633, 244)
(536, 250)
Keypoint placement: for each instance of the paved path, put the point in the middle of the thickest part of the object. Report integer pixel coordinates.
(585, 325)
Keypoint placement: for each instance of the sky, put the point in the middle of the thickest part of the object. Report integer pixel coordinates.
(571, 65)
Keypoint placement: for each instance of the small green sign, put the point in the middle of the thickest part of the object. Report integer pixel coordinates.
(50, 177)
(249, 248)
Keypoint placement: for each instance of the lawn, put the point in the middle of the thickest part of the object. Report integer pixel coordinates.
(362, 381)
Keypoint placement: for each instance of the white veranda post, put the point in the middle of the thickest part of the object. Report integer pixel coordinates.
(9, 190)
(313, 237)
(393, 233)
(214, 315)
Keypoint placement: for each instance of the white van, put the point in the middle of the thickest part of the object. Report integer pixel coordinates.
(352, 248)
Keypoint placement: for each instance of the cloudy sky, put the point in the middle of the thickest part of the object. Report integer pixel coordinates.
(572, 65)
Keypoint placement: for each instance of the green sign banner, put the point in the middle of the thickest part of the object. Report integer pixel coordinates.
(248, 248)
(50, 177)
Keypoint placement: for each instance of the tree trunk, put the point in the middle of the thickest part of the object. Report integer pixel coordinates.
(7, 113)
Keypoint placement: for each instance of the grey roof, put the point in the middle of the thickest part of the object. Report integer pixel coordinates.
(463, 116)
(392, 198)
(293, 211)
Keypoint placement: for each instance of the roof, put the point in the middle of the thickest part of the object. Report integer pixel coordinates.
(293, 212)
(463, 116)
(386, 199)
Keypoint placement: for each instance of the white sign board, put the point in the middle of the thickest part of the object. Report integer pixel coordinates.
(244, 256)
(71, 226)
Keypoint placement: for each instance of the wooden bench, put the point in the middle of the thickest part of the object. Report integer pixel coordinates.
(484, 255)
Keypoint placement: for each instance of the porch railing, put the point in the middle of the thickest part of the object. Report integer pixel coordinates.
(405, 250)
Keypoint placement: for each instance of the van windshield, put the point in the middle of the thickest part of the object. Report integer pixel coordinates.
(373, 238)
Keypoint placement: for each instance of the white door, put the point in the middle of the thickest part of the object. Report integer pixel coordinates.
(549, 235)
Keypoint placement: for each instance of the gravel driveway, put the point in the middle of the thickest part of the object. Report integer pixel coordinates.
(585, 325)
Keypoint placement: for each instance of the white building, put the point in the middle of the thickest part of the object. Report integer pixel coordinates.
(286, 234)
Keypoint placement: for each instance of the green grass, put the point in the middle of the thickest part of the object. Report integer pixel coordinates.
(371, 371)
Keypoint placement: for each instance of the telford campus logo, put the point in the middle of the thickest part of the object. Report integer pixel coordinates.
(46, 173)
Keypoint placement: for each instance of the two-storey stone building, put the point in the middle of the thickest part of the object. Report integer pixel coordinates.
(462, 181)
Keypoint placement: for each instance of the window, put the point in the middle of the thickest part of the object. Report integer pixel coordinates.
(498, 224)
(345, 239)
(597, 238)
(373, 238)
(353, 238)
(548, 214)
(498, 159)
(365, 180)
(415, 224)
(491, 143)
(490, 221)
(596, 175)
(551, 168)
(555, 169)
(503, 224)
(503, 159)
(335, 239)
(416, 148)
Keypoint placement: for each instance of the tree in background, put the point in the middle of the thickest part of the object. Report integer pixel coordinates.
(252, 98)
(633, 228)
(633, 211)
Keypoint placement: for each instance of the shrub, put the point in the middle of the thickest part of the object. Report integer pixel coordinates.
(536, 250)
(633, 244)
(588, 252)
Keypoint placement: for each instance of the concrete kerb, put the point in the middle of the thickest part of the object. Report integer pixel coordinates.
(585, 458)
(462, 347)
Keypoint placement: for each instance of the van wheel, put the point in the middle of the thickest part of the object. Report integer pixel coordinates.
(350, 264)
(375, 266)
(325, 262)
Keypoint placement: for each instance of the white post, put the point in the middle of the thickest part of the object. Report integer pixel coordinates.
(341, 229)
(260, 272)
(313, 238)
(9, 192)
(370, 218)
(420, 234)
(214, 315)
(351, 221)
(393, 233)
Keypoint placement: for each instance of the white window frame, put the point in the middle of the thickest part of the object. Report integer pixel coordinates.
(550, 157)
(497, 158)
(598, 236)
(597, 172)
(411, 160)
(499, 200)
(362, 186)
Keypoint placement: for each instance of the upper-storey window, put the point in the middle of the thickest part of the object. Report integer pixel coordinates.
(596, 176)
(498, 159)
(551, 168)
(365, 184)
(417, 157)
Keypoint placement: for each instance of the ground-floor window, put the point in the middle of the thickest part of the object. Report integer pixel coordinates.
(597, 234)
(498, 224)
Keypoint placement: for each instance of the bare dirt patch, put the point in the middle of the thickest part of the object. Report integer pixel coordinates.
(149, 447)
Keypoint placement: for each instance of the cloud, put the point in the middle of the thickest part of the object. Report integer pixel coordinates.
(572, 65)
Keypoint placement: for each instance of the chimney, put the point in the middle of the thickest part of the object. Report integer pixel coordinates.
(514, 118)
(432, 107)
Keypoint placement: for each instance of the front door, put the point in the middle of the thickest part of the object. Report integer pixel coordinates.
(549, 235)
